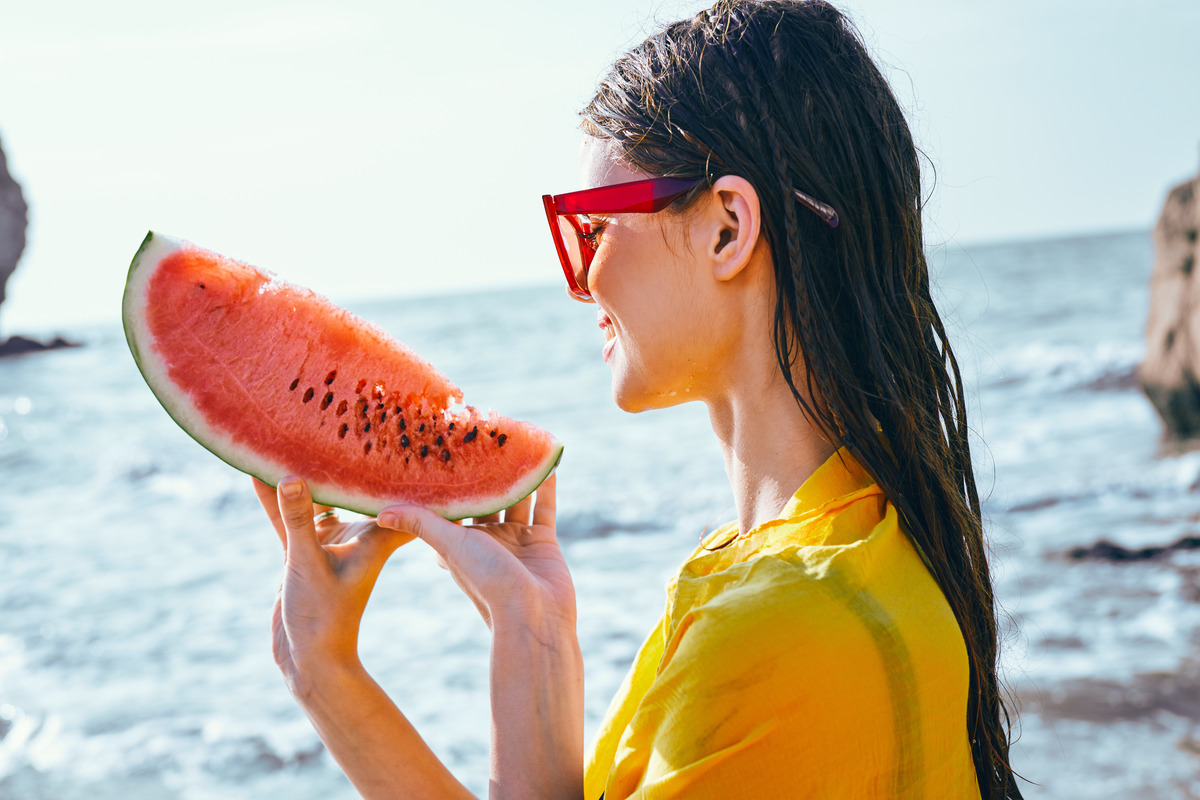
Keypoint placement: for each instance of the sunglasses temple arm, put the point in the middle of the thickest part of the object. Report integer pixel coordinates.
(822, 210)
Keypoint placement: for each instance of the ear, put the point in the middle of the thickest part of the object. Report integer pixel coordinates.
(736, 219)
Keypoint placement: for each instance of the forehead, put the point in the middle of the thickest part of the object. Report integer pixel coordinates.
(601, 164)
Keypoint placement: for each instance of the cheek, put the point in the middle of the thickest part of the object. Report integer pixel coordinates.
(646, 282)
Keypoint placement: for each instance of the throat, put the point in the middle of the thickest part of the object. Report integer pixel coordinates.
(768, 456)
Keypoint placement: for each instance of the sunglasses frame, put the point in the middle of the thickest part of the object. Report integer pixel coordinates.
(647, 196)
(635, 197)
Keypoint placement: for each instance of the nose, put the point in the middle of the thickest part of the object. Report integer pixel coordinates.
(579, 299)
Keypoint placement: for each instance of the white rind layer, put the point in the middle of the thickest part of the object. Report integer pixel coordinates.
(178, 405)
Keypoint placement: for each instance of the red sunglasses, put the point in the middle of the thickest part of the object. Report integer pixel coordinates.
(568, 214)
(571, 226)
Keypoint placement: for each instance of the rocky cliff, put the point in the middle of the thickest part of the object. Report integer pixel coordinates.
(1170, 375)
(13, 221)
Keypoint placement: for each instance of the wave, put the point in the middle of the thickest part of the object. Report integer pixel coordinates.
(1047, 368)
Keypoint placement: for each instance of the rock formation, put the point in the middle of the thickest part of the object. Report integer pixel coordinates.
(13, 221)
(1170, 375)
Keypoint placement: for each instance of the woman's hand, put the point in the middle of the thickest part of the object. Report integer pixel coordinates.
(330, 568)
(510, 566)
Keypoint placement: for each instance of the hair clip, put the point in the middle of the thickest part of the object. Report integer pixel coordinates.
(822, 210)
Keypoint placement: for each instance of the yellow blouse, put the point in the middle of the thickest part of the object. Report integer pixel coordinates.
(813, 656)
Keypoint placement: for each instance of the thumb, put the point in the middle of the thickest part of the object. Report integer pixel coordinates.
(443, 536)
(376, 545)
(295, 511)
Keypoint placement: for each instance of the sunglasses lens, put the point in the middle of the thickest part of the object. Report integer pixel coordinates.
(569, 228)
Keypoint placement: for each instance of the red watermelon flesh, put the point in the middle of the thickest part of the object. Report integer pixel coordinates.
(276, 380)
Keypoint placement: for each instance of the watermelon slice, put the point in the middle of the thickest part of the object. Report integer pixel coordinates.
(276, 380)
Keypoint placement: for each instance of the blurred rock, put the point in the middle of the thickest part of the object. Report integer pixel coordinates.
(1104, 550)
(19, 345)
(13, 221)
(1170, 375)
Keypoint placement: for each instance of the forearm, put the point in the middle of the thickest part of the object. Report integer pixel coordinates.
(375, 745)
(537, 711)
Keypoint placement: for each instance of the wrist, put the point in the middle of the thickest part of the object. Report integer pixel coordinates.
(534, 621)
(537, 707)
(311, 679)
(544, 646)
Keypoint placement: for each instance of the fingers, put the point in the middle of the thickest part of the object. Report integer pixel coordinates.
(270, 504)
(519, 511)
(439, 534)
(326, 521)
(296, 511)
(544, 508)
(489, 518)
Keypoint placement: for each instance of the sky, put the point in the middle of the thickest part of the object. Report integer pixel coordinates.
(373, 149)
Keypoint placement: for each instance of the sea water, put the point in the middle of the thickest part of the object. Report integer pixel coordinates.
(137, 572)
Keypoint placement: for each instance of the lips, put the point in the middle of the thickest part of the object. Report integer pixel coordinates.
(605, 324)
(610, 333)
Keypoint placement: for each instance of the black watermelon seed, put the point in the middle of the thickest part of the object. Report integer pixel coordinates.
(367, 427)
(404, 440)
(402, 425)
(325, 402)
(364, 409)
(383, 416)
(451, 426)
(397, 410)
(329, 378)
(406, 459)
(342, 431)
(421, 429)
(342, 406)
(440, 441)
(501, 439)
(295, 383)
(367, 448)
(424, 450)
(308, 395)
(470, 437)
(492, 434)
(445, 455)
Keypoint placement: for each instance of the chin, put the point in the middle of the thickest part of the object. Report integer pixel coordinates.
(637, 399)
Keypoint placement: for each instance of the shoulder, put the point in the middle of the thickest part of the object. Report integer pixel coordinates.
(823, 615)
(788, 664)
(796, 606)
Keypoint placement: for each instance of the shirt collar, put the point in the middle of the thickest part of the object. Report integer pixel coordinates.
(839, 476)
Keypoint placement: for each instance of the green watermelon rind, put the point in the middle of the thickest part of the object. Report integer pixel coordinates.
(153, 249)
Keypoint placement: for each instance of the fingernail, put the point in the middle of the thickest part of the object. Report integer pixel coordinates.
(388, 519)
(291, 489)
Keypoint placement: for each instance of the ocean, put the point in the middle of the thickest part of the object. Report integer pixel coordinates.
(137, 572)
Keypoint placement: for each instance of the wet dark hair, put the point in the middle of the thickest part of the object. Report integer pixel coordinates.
(785, 95)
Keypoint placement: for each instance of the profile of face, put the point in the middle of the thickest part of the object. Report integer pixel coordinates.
(672, 288)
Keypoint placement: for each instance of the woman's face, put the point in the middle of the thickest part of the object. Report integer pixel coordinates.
(648, 280)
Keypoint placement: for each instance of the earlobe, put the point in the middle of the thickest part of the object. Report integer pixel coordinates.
(738, 224)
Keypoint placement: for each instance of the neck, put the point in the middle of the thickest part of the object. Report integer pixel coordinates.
(770, 447)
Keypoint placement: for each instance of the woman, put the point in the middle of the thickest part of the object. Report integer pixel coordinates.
(751, 235)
